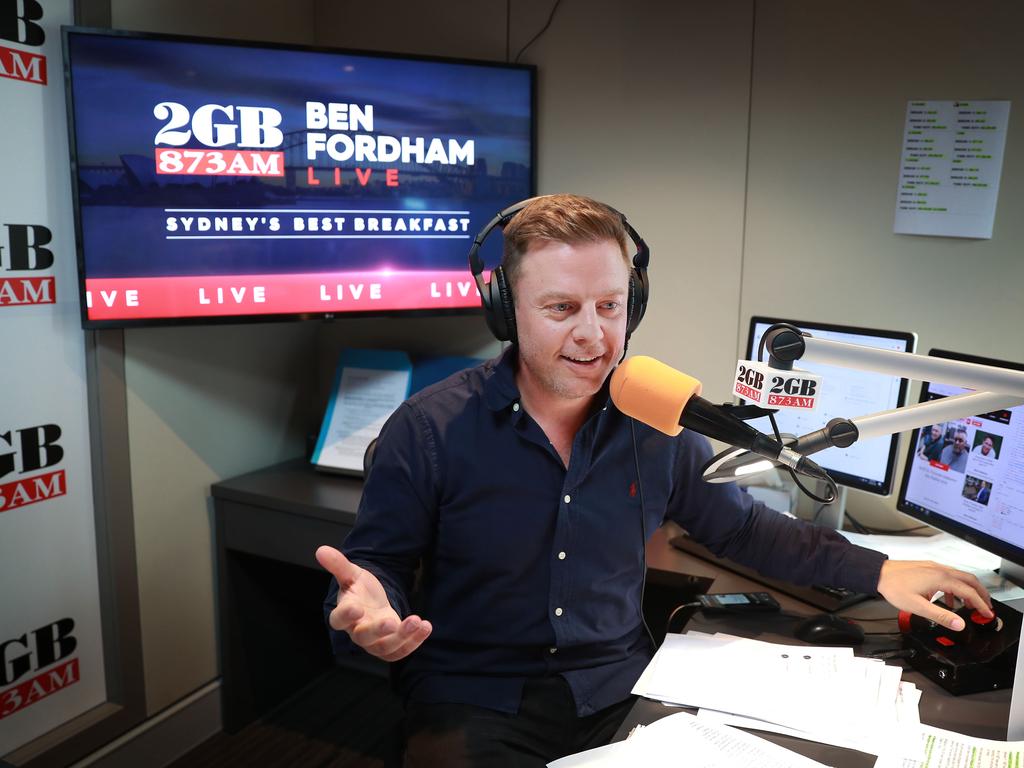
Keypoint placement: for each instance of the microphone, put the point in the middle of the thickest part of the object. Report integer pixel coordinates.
(669, 400)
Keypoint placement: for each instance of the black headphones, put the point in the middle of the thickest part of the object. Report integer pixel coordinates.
(496, 296)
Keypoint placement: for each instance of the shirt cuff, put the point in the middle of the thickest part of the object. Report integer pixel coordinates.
(865, 567)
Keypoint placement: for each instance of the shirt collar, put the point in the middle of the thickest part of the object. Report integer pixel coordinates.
(500, 389)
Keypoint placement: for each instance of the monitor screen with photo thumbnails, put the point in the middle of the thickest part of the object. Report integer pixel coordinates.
(845, 393)
(966, 476)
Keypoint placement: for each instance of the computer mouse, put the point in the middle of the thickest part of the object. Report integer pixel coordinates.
(829, 629)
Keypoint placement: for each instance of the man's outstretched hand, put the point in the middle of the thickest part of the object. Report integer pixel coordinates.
(364, 612)
(909, 585)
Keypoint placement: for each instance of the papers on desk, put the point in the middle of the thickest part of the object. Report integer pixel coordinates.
(826, 695)
(942, 548)
(820, 694)
(948, 550)
(944, 749)
(682, 739)
(368, 386)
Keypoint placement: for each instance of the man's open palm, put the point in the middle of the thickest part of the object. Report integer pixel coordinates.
(364, 612)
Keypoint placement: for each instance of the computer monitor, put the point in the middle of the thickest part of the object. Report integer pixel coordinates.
(845, 393)
(966, 476)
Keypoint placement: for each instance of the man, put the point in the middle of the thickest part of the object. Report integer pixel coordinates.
(954, 455)
(525, 496)
(932, 444)
(983, 493)
(986, 448)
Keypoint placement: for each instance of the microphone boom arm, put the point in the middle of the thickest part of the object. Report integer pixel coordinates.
(1001, 388)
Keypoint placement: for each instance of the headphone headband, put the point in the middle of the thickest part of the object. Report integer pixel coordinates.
(499, 292)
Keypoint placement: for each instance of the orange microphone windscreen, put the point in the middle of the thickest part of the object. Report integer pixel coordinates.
(652, 392)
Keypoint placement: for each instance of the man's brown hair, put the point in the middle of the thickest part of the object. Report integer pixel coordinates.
(570, 219)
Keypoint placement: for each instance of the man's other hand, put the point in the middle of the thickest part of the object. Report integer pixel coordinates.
(910, 584)
(364, 612)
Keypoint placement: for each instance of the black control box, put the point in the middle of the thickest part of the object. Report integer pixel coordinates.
(981, 657)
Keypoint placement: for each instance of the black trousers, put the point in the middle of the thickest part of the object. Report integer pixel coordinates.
(545, 728)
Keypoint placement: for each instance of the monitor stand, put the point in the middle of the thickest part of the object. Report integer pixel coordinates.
(1015, 573)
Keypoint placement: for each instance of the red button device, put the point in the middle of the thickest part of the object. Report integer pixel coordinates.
(986, 623)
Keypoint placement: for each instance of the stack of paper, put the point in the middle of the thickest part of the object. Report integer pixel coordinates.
(682, 739)
(821, 694)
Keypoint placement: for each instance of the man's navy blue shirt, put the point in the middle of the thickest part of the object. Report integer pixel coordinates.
(530, 568)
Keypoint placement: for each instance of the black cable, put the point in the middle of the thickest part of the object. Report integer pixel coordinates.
(832, 487)
(884, 531)
(857, 527)
(643, 534)
(892, 653)
(542, 31)
(692, 607)
(508, 30)
(825, 500)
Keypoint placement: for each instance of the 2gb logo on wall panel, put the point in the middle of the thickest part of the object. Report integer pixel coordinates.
(37, 652)
(26, 451)
(23, 250)
(18, 25)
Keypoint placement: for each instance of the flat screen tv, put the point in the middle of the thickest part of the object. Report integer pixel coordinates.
(216, 180)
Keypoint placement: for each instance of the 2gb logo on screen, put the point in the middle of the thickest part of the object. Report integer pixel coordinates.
(251, 129)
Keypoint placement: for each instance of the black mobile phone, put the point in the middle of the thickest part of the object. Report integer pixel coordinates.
(738, 602)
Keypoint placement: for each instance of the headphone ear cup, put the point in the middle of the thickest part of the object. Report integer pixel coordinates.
(499, 310)
(639, 290)
(505, 305)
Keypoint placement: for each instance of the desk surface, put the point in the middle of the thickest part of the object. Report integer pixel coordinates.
(295, 487)
(983, 715)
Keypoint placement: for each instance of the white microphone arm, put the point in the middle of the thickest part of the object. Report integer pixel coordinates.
(1000, 388)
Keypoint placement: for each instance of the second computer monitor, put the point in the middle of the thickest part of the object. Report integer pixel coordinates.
(966, 476)
(845, 393)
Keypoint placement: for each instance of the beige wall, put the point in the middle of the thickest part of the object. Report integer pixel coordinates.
(291, 22)
(830, 90)
(649, 106)
(642, 105)
(204, 404)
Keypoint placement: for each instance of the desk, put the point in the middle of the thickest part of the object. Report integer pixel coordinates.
(272, 639)
(270, 589)
(983, 715)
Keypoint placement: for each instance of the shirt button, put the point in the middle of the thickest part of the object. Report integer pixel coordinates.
(552, 650)
(515, 407)
(568, 498)
(561, 555)
(558, 611)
